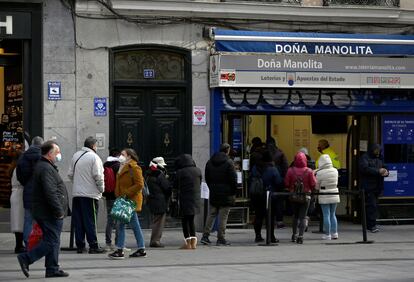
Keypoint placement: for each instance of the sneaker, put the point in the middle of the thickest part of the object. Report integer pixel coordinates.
(59, 273)
(274, 240)
(109, 247)
(139, 253)
(335, 236)
(374, 230)
(294, 237)
(326, 237)
(205, 241)
(299, 240)
(222, 242)
(126, 249)
(118, 254)
(258, 239)
(97, 250)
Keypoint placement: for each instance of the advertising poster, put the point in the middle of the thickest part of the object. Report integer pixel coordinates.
(398, 147)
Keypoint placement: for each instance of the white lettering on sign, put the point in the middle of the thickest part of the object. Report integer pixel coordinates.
(324, 49)
(288, 63)
(8, 24)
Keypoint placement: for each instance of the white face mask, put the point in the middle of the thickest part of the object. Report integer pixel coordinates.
(122, 159)
(58, 157)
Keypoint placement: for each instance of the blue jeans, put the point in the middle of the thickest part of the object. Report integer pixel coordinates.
(134, 224)
(49, 246)
(27, 225)
(330, 224)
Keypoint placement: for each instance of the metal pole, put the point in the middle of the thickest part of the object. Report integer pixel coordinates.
(364, 220)
(269, 217)
(268, 220)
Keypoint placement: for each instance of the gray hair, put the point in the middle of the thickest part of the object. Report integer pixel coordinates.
(89, 142)
(37, 140)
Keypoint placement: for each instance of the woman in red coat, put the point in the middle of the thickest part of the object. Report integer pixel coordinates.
(300, 170)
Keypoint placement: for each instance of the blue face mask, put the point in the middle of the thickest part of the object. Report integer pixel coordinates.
(58, 157)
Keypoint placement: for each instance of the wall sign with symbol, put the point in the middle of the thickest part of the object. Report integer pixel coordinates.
(54, 90)
(99, 105)
(199, 115)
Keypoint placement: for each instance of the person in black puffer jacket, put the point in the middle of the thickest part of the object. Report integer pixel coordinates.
(159, 193)
(187, 183)
(221, 179)
(24, 173)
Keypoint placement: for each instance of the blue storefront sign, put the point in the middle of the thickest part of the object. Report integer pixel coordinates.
(398, 146)
(99, 107)
(54, 90)
(313, 43)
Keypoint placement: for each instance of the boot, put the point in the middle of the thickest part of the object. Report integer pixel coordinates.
(193, 242)
(19, 248)
(187, 244)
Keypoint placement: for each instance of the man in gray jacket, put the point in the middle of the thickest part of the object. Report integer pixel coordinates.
(86, 173)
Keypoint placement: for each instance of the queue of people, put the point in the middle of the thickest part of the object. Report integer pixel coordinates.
(121, 177)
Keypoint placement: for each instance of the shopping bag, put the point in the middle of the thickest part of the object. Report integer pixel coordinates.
(35, 236)
(122, 209)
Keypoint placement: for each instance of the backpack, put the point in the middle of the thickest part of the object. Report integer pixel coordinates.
(109, 179)
(256, 187)
(299, 195)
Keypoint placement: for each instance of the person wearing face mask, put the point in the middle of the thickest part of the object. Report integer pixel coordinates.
(87, 174)
(129, 184)
(49, 207)
(372, 172)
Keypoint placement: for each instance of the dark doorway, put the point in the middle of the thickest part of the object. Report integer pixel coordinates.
(150, 101)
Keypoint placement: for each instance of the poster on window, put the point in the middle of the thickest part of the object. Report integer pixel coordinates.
(199, 115)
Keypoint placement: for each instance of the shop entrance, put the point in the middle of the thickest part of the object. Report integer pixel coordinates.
(293, 132)
(11, 110)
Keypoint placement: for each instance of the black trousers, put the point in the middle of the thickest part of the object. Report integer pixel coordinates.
(371, 209)
(188, 226)
(259, 206)
(84, 214)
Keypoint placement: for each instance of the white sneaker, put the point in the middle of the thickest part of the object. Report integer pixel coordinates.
(335, 236)
(127, 249)
(109, 248)
(326, 237)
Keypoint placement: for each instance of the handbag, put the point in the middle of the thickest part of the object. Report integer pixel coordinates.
(35, 237)
(122, 209)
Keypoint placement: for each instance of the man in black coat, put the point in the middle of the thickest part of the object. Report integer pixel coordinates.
(372, 172)
(221, 179)
(24, 173)
(49, 207)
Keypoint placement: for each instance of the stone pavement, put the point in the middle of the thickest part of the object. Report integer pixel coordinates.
(389, 258)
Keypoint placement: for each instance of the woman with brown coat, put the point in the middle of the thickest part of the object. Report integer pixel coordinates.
(129, 184)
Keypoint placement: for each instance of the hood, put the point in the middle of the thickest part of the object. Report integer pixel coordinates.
(33, 153)
(184, 160)
(324, 161)
(219, 158)
(372, 148)
(300, 160)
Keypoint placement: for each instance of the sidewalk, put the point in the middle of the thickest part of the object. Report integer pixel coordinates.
(389, 258)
